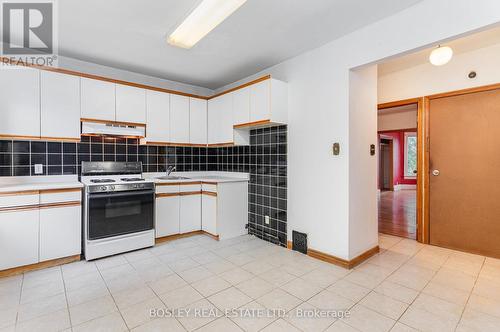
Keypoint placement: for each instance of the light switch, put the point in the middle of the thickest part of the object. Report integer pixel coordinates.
(336, 149)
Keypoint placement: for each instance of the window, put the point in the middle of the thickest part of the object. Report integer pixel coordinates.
(410, 155)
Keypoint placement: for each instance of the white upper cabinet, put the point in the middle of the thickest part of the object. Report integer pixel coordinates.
(157, 116)
(220, 119)
(98, 99)
(130, 104)
(60, 104)
(269, 101)
(179, 119)
(20, 101)
(241, 106)
(197, 121)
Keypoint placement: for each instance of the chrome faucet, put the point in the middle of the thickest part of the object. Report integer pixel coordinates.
(170, 169)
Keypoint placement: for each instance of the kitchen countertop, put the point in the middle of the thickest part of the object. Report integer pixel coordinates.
(30, 183)
(210, 176)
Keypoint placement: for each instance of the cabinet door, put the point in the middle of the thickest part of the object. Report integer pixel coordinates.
(98, 99)
(241, 106)
(197, 121)
(60, 232)
(179, 119)
(18, 238)
(60, 104)
(260, 101)
(130, 104)
(158, 116)
(220, 119)
(209, 214)
(190, 213)
(20, 101)
(167, 216)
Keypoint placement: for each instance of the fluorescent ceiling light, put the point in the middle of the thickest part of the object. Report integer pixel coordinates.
(441, 55)
(202, 20)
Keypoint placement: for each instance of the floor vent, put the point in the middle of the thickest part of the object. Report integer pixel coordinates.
(299, 242)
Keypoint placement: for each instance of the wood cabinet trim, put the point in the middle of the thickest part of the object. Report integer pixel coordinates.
(190, 193)
(263, 78)
(209, 193)
(252, 124)
(20, 192)
(38, 266)
(19, 137)
(221, 144)
(19, 208)
(160, 195)
(135, 124)
(62, 190)
(59, 205)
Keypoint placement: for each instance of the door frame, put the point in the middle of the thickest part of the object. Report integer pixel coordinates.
(423, 152)
(391, 164)
(422, 139)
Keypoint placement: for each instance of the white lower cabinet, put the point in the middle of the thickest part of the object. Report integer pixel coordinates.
(209, 213)
(167, 215)
(18, 238)
(190, 213)
(60, 232)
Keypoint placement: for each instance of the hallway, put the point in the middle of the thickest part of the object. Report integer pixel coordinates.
(397, 213)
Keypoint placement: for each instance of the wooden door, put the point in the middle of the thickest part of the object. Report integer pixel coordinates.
(464, 185)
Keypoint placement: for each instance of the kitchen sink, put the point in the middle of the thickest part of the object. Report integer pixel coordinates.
(172, 178)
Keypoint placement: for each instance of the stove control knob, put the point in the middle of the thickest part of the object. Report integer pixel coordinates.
(134, 186)
(112, 188)
(103, 188)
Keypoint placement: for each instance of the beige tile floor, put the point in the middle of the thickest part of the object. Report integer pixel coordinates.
(407, 287)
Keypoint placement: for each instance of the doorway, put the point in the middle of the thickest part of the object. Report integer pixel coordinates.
(397, 172)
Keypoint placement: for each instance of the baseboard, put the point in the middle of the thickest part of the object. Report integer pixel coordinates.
(188, 234)
(348, 264)
(38, 266)
(405, 187)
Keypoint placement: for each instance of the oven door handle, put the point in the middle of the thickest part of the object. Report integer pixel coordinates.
(122, 194)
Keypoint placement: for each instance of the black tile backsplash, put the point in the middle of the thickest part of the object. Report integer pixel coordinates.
(265, 159)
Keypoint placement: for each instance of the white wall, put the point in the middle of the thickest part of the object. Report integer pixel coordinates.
(426, 79)
(124, 75)
(400, 120)
(318, 193)
(363, 209)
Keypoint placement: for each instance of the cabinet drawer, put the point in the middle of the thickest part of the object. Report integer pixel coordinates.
(167, 189)
(209, 187)
(185, 188)
(8, 200)
(60, 196)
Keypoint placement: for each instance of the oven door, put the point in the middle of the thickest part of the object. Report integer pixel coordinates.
(113, 214)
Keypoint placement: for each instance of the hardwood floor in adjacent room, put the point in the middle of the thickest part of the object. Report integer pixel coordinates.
(397, 213)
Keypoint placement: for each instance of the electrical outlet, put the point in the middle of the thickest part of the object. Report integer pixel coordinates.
(38, 169)
(266, 220)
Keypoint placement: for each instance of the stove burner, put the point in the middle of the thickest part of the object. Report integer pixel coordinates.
(102, 180)
(132, 179)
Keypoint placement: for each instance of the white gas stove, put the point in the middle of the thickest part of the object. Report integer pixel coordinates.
(119, 208)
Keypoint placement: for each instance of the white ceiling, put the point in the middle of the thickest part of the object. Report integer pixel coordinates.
(130, 34)
(461, 45)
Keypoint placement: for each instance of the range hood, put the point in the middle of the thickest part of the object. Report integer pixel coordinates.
(113, 129)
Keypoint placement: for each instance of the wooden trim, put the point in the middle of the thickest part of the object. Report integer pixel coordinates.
(23, 192)
(62, 190)
(59, 205)
(177, 236)
(178, 183)
(397, 130)
(120, 123)
(102, 78)
(263, 78)
(176, 144)
(252, 124)
(465, 91)
(348, 264)
(423, 159)
(209, 182)
(209, 193)
(190, 193)
(213, 236)
(19, 208)
(398, 103)
(189, 183)
(39, 266)
(160, 195)
(62, 139)
(220, 145)
(21, 137)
